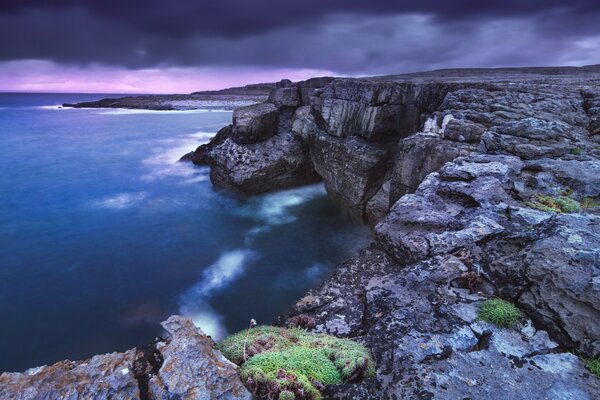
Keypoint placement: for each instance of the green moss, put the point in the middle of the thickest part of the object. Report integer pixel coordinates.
(593, 365)
(279, 361)
(588, 202)
(576, 151)
(499, 312)
(559, 204)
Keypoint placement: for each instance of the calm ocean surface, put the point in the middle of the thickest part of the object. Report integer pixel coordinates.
(103, 235)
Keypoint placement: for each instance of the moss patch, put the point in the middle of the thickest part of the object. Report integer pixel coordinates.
(499, 312)
(593, 365)
(559, 204)
(278, 363)
(588, 202)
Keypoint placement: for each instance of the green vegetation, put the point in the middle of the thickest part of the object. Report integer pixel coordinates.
(588, 202)
(559, 204)
(593, 365)
(499, 312)
(286, 364)
(576, 151)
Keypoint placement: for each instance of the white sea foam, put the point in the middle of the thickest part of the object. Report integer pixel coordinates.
(127, 111)
(164, 160)
(194, 303)
(55, 107)
(274, 208)
(120, 201)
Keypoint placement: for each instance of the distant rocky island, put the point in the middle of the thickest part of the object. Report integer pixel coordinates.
(231, 97)
(479, 184)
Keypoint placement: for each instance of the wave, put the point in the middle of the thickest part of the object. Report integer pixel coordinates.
(120, 201)
(194, 303)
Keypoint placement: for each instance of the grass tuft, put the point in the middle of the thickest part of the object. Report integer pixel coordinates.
(280, 363)
(593, 365)
(559, 204)
(499, 312)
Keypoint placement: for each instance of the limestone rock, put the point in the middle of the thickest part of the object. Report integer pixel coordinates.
(255, 123)
(192, 368)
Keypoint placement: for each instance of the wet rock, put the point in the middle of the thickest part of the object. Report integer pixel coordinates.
(255, 123)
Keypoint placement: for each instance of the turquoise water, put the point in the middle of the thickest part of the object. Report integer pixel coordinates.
(103, 234)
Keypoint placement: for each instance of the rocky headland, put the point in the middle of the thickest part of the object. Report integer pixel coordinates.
(478, 184)
(209, 99)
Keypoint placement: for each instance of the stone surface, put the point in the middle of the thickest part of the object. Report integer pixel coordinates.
(108, 376)
(277, 163)
(352, 169)
(255, 123)
(185, 366)
(421, 326)
(193, 368)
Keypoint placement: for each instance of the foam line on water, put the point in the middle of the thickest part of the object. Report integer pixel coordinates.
(120, 201)
(194, 303)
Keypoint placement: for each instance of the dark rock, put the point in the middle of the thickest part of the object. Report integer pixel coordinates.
(277, 163)
(352, 169)
(255, 123)
(201, 156)
(427, 341)
(418, 156)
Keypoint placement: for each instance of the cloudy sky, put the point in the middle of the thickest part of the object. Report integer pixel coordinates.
(161, 46)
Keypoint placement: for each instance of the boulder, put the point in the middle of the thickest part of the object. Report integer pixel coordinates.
(193, 368)
(255, 123)
(276, 163)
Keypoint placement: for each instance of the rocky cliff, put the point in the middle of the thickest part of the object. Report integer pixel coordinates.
(479, 184)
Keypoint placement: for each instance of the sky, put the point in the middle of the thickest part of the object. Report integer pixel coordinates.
(181, 46)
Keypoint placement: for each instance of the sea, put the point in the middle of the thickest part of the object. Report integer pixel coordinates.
(104, 234)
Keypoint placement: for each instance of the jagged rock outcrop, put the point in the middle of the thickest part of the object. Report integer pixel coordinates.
(185, 366)
(421, 324)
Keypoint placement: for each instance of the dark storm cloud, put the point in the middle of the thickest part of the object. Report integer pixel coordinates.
(343, 36)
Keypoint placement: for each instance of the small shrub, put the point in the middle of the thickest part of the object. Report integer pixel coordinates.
(280, 363)
(560, 204)
(593, 365)
(499, 312)
(588, 202)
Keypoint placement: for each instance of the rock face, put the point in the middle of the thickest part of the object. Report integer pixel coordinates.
(192, 368)
(185, 366)
(255, 123)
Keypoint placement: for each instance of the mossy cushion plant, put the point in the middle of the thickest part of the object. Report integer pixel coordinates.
(286, 364)
(559, 204)
(499, 312)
